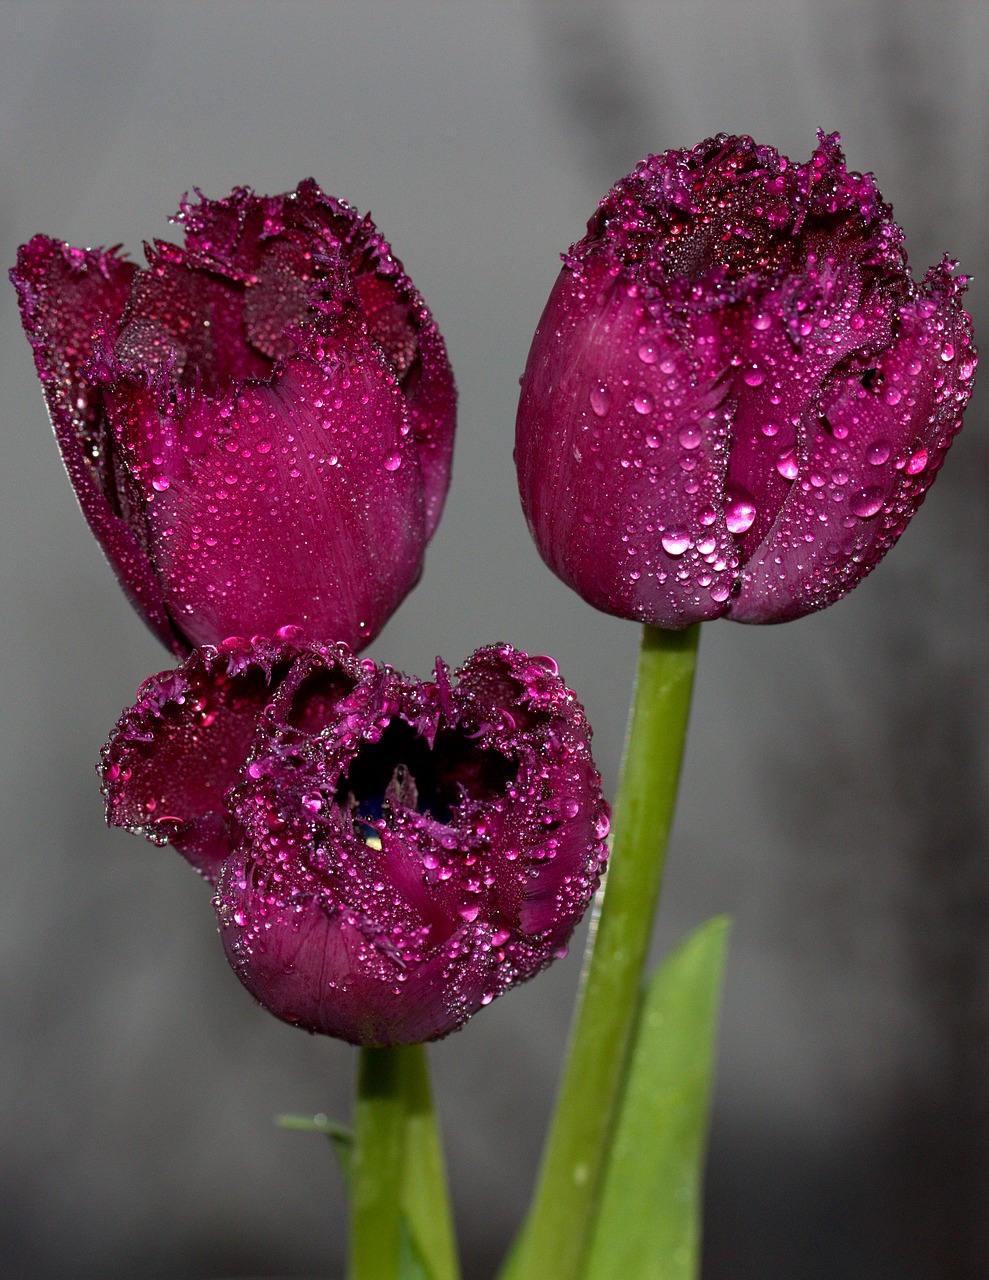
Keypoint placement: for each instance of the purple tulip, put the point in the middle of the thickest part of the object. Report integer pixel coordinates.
(258, 426)
(737, 396)
(389, 854)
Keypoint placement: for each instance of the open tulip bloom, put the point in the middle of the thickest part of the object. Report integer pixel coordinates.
(735, 400)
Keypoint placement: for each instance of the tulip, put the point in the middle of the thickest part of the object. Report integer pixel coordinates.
(389, 855)
(258, 426)
(737, 395)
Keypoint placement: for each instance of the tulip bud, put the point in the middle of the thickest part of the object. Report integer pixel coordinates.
(737, 395)
(258, 426)
(389, 854)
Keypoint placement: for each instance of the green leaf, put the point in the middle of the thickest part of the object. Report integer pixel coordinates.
(339, 1135)
(648, 1223)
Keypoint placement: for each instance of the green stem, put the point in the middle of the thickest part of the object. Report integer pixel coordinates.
(555, 1236)
(426, 1199)
(378, 1166)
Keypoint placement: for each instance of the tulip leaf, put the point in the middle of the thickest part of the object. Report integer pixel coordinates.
(648, 1223)
(339, 1135)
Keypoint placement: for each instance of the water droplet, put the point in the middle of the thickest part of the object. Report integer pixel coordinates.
(160, 483)
(947, 352)
(786, 463)
(753, 377)
(643, 403)
(648, 353)
(689, 436)
(877, 453)
(600, 400)
(917, 462)
(740, 512)
(393, 461)
(675, 541)
(867, 502)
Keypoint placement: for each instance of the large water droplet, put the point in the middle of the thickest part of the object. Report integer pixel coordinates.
(740, 512)
(867, 502)
(877, 453)
(786, 463)
(675, 541)
(917, 462)
(600, 400)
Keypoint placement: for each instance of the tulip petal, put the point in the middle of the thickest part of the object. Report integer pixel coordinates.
(67, 296)
(173, 755)
(319, 457)
(876, 452)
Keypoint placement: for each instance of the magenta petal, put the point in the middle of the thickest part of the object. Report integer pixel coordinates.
(759, 318)
(621, 455)
(173, 756)
(416, 851)
(239, 512)
(67, 298)
(876, 452)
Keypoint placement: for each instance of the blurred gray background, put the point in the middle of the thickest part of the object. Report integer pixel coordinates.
(833, 799)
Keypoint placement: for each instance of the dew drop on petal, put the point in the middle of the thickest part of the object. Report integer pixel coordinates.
(600, 400)
(740, 513)
(786, 463)
(877, 453)
(917, 462)
(675, 541)
(393, 461)
(867, 502)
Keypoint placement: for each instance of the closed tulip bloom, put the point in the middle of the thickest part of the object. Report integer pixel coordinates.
(737, 395)
(389, 854)
(258, 425)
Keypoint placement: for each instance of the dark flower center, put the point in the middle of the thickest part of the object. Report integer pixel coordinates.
(401, 772)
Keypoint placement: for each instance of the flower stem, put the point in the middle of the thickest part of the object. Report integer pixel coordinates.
(556, 1234)
(426, 1199)
(378, 1166)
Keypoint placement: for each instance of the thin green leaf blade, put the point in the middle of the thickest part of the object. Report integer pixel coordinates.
(648, 1223)
(339, 1135)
